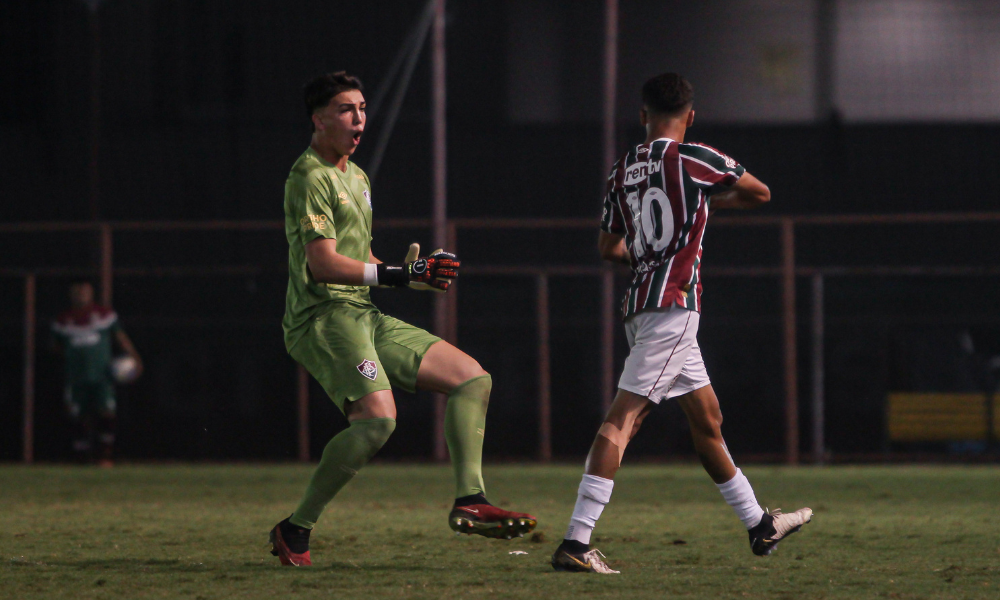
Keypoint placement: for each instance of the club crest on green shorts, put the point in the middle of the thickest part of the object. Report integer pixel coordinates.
(369, 369)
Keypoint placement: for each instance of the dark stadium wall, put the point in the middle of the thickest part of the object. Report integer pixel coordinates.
(202, 117)
(201, 112)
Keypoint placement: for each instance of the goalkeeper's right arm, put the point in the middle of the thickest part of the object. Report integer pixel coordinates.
(327, 266)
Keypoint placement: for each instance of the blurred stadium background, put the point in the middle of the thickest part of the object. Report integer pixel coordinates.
(145, 144)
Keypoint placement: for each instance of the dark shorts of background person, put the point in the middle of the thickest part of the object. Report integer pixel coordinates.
(94, 398)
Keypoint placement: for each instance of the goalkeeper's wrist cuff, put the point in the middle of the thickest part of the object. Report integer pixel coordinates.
(390, 275)
(371, 275)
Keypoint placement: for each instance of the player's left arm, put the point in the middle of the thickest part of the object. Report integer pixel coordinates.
(747, 192)
(126, 344)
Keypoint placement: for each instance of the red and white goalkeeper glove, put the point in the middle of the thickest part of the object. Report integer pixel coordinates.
(434, 272)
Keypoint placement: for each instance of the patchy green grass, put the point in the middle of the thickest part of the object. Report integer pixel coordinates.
(200, 532)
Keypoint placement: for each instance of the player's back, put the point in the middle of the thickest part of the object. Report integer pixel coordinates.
(657, 198)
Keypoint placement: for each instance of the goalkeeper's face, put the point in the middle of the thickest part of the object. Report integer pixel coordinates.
(340, 123)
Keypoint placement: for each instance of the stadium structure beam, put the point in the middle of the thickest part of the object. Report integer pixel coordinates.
(607, 338)
(609, 146)
(30, 287)
(107, 273)
(544, 368)
(790, 342)
(439, 211)
(94, 173)
(818, 373)
(452, 296)
(411, 50)
(610, 80)
(826, 46)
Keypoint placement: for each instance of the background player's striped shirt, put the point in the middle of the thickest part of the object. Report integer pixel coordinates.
(657, 198)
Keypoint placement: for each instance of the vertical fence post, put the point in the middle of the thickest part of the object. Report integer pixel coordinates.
(302, 403)
(440, 190)
(610, 80)
(94, 180)
(607, 339)
(544, 370)
(818, 374)
(451, 245)
(29, 368)
(107, 264)
(790, 345)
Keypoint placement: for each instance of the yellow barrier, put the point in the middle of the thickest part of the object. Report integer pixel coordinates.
(938, 417)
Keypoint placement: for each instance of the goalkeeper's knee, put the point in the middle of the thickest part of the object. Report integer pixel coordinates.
(475, 390)
(374, 433)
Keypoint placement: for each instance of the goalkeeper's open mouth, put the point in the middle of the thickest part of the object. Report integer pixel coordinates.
(357, 137)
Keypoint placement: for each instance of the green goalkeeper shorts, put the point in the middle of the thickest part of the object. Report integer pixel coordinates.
(354, 350)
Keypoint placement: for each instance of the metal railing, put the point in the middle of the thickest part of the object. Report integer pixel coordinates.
(787, 271)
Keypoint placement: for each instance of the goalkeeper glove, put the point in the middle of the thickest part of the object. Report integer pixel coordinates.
(434, 272)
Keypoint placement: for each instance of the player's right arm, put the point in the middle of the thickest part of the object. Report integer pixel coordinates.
(612, 247)
(611, 239)
(327, 266)
(307, 202)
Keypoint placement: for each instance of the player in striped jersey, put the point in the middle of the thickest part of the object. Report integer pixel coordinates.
(658, 200)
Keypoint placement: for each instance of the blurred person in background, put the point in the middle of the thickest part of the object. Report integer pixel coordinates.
(85, 335)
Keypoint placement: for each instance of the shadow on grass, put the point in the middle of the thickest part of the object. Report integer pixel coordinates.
(340, 566)
(174, 565)
(129, 564)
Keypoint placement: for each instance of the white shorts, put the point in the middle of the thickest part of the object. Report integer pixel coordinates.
(665, 360)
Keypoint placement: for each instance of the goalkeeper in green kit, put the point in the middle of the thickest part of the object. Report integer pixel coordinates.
(357, 353)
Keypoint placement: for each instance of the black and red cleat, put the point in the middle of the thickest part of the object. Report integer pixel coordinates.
(489, 521)
(290, 544)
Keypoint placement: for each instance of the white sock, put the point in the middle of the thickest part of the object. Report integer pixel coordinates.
(593, 494)
(738, 494)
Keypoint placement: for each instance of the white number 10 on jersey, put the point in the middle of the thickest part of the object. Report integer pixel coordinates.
(653, 220)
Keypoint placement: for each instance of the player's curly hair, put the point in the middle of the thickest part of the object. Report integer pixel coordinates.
(667, 94)
(320, 90)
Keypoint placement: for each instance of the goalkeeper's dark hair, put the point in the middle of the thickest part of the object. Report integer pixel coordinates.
(667, 94)
(320, 90)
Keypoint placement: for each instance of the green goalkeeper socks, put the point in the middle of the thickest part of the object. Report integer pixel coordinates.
(464, 428)
(343, 457)
(349, 450)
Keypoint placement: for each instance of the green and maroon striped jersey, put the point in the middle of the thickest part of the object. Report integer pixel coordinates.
(85, 335)
(657, 198)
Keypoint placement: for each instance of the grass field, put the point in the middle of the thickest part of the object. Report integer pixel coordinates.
(200, 532)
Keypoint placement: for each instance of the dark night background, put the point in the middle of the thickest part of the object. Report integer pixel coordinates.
(201, 118)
